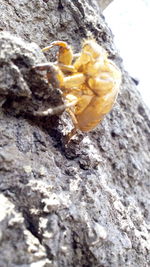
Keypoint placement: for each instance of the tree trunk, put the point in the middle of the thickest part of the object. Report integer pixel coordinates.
(85, 203)
(104, 3)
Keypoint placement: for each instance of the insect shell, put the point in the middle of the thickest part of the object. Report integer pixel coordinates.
(89, 81)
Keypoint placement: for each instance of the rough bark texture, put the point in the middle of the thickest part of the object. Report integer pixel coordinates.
(81, 204)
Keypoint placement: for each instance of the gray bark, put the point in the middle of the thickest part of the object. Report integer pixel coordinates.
(85, 203)
(104, 3)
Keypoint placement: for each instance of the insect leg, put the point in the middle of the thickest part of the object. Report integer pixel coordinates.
(73, 81)
(65, 55)
(55, 110)
(67, 68)
(54, 74)
(56, 43)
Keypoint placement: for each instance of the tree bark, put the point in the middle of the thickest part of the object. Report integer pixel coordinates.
(85, 203)
(104, 3)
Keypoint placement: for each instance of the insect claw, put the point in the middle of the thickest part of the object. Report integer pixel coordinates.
(56, 43)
